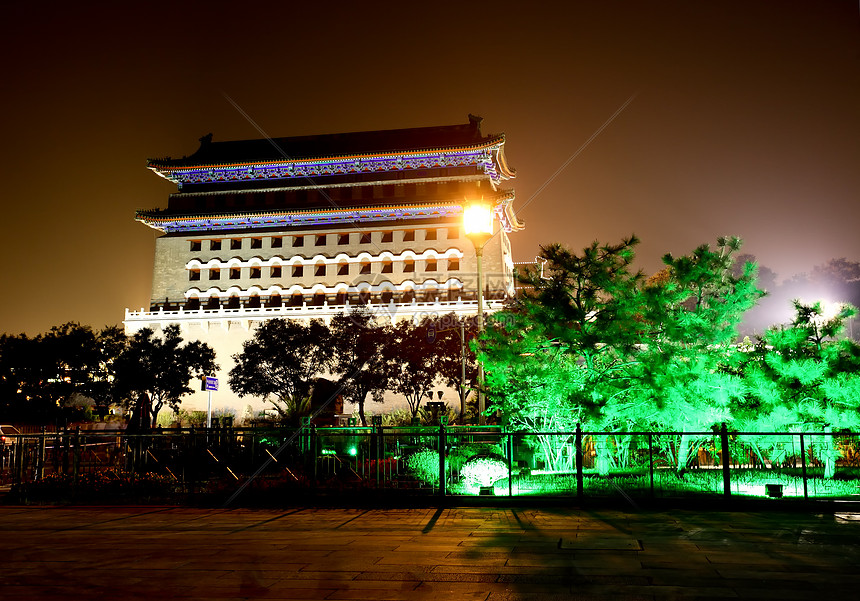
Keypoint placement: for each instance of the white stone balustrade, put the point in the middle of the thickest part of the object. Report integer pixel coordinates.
(414, 310)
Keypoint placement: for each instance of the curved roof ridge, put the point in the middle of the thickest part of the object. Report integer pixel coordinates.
(337, 145)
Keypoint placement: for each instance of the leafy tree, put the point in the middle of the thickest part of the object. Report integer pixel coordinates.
(24, 375)
(452, 339)
(281, 362)
(358, 359)
(599, 344)
(564, 353)
(694, 317)
(157, 370)
(84, 362)
(803, 376)
(588, 303)
(99, 383)
(540, 395)
(41, 375)
(411, 363)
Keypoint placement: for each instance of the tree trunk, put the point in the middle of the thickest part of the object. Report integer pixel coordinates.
(551, 452)
(360, 403)
(829, 454)
(683, 452)
(604, 454)
(154, 410)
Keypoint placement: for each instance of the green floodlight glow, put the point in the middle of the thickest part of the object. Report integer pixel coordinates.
(352, 451)
(328, 452)
(482, 472)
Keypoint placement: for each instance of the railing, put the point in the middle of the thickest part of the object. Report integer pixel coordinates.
(448, 460)
(305, 310)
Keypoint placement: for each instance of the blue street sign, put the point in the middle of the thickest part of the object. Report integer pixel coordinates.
(211, 383)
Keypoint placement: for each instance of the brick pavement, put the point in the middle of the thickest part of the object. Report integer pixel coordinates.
(487, 554)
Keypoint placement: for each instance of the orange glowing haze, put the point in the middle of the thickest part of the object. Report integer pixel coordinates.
(741, 118)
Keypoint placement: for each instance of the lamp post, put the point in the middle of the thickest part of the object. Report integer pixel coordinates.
(478, 225)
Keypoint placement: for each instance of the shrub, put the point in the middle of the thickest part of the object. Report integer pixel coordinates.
(424, 465)
(110, 486)
(460, 455)
(483, 471)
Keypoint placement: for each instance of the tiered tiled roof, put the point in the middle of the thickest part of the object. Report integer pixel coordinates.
(338, 154)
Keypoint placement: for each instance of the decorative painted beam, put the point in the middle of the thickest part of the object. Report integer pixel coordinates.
(172, 223)
(487, 159)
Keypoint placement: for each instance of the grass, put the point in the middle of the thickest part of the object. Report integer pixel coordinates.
(667, 482)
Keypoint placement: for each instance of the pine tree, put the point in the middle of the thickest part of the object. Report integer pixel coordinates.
(805, 376)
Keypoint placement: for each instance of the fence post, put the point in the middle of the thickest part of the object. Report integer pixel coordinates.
(803, 467)
(579, 478)
(76, 457)
(18, 450)
(305, 435)
(441, 447)
(66, 442)
(510, 464)
(724, 442)
(651, 460)
(376, 420)
(314, 451)
(189, 459)
(40, 461)
(58, 443)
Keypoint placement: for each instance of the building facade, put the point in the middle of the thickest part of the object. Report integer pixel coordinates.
(308, 227)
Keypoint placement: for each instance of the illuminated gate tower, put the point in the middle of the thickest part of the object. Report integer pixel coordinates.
(309, 226)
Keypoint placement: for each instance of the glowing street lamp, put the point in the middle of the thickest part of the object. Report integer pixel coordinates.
(478, 225)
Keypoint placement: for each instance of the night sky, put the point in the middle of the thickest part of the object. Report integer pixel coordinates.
(744, 120)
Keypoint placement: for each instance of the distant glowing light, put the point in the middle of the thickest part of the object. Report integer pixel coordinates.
(829, 310)
(478, 220)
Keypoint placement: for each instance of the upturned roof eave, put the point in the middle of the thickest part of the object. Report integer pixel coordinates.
(161, 166)
(155, 218)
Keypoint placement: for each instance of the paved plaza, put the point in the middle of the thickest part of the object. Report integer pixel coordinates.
(457, 553)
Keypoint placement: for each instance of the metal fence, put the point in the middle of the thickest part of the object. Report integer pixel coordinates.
(447, 460)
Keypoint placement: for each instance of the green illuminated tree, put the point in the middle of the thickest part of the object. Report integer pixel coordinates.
(157, 370)
(281, 362)
(594, 342)
(805, 376)
(565, 352)
(694, 315)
